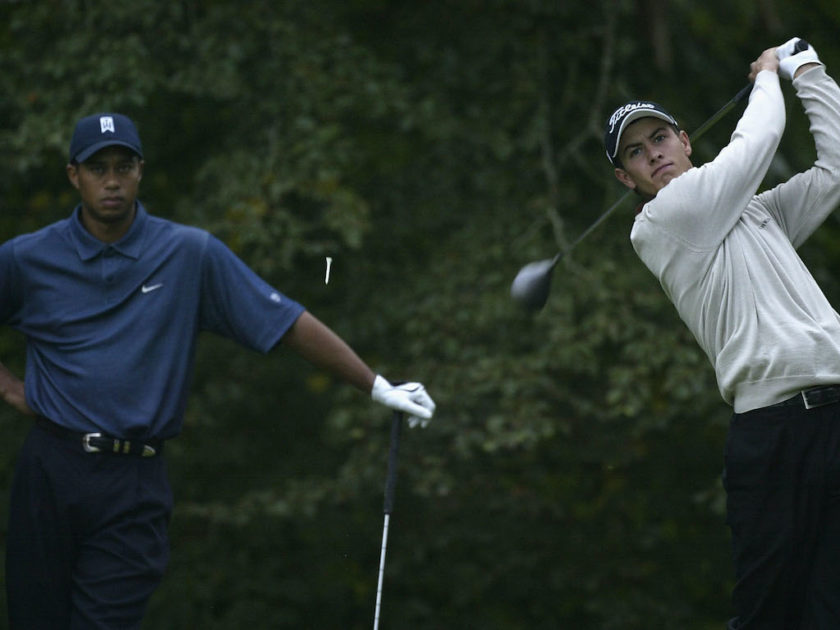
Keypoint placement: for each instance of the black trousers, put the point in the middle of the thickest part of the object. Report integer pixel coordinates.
(782, 479)
(87, 542)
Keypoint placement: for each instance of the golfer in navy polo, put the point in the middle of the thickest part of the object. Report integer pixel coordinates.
(111, 301)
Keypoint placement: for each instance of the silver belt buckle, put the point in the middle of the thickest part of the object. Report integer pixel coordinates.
(87, 445)
(808, 405)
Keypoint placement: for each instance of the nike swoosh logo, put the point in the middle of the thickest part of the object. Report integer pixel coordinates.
(151, 287)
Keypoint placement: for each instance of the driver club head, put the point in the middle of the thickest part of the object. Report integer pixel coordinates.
(532, 284)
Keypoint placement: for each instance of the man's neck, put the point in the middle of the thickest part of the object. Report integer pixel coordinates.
(107, 231)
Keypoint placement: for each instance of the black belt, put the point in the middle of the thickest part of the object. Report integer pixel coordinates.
(99, 443)
(811, 398)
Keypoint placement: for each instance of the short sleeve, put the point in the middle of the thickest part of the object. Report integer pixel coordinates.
(238, 304)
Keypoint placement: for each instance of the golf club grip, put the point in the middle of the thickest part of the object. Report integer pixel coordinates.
(744, 93)
(393, 453)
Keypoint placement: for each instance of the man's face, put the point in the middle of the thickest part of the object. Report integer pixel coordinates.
(652, 153)
(108, 182)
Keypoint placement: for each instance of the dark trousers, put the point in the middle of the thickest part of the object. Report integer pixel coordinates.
(87, 542)
(782, 479)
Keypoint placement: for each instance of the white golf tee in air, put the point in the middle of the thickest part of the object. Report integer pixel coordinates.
(329, 262)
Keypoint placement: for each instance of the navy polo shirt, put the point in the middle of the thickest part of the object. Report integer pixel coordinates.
(111, 328)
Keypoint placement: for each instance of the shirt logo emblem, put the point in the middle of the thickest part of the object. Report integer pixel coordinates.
(148, 288)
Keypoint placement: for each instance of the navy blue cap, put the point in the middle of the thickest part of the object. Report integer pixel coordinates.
(96, 132)
(623, 116)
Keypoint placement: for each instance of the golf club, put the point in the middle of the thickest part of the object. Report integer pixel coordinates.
(390, 485)
(532, 284)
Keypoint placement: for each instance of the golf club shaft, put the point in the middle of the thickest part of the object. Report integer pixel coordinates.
(723, 111)
(381, 571)
(741, 95)
(388, 507)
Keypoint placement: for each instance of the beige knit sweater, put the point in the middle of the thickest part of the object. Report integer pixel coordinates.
(726, 256)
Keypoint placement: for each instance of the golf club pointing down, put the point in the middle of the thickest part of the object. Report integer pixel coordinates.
(531, 286)
(390, 486)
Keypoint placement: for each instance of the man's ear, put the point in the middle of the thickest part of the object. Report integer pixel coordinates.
(624, 177)
(73, 174)
(686, 142)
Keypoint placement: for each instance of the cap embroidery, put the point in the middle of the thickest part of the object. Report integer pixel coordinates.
(106, 123)
(626, 109)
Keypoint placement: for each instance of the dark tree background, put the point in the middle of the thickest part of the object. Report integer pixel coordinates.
(571, 476)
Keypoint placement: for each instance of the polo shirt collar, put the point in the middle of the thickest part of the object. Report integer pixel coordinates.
(89, 247)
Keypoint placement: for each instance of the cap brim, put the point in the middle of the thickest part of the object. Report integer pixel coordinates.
(81, 156)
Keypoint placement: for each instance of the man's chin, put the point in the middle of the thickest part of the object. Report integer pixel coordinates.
(663, 181)
(647, 192)
(112, 215)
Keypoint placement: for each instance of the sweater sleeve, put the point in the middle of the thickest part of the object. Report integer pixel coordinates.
(803, 202)
(699, 208)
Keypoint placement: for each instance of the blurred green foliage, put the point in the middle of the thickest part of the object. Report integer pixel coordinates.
(571, 476)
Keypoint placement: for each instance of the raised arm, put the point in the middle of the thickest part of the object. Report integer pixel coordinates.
(801, 204)
(700, 208)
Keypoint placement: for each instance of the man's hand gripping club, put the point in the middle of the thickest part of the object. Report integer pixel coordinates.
(410, 398)
(796, 54)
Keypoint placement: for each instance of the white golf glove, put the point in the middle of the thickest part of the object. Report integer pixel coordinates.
(410, 398)
(790, 60)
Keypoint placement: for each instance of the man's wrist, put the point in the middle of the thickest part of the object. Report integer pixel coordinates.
(805, 67)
